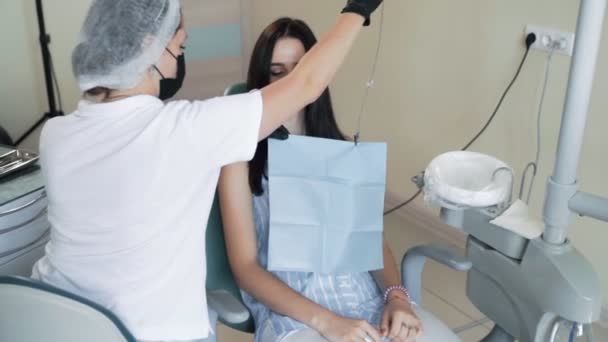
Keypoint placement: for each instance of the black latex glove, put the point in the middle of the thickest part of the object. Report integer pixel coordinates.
(365, 8)
(280, 133)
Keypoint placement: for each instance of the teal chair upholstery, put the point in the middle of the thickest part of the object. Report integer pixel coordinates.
(237, 88)
(33, 311)
(220, 280)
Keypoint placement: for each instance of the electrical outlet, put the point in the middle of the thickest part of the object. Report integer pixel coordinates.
(548, 39)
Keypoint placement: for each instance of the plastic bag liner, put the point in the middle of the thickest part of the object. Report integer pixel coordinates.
(461, 180)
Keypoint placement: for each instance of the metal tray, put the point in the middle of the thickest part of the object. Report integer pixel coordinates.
(12, 160)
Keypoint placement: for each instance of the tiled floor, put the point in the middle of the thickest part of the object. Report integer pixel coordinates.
(444, 289)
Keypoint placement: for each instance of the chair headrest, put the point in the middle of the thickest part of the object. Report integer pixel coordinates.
(237, 88)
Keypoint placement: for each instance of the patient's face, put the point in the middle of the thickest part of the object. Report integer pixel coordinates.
(286, 55)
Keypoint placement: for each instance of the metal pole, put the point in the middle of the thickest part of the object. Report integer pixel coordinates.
(590, 205)
(45, 39)
(562, 185)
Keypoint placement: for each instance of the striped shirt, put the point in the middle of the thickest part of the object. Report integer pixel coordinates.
(351, 295)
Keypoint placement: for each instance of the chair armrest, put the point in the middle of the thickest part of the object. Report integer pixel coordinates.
(228, 308)
(413, 261)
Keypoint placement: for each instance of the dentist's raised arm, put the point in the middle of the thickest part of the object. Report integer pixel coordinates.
(316, 69)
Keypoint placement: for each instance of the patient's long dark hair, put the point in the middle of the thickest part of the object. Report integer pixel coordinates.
(319, 119)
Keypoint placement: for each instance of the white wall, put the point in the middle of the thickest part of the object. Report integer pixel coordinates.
(22, 88)
(442, 68)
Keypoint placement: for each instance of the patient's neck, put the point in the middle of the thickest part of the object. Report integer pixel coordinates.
(296, 125)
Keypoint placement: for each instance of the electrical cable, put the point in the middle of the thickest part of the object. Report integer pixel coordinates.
(536, 161)
(530, 39)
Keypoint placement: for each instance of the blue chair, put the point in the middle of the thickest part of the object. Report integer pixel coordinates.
(33, 311)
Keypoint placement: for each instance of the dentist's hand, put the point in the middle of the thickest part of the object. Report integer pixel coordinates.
(365, 8)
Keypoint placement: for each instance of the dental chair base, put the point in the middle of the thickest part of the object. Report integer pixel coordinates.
(526, 296)
(228, 309)
(526, 286)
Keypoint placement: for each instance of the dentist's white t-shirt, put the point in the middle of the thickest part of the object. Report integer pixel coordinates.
(130, 186)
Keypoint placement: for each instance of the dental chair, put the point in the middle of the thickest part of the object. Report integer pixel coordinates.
(33, 311)
(224, 296)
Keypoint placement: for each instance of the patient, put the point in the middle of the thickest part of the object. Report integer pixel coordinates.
(297, 306)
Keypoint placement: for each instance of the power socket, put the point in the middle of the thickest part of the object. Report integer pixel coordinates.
(548, 39)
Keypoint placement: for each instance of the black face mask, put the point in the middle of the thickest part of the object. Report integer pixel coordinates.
(170, 86)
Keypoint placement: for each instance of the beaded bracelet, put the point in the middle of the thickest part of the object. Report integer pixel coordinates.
(397, 288)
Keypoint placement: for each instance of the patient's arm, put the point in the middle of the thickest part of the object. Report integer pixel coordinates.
(398, 311)
(240, 234)
(389, 275)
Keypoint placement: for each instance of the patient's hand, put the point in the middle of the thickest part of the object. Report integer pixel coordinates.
(339, 329)
(399, 322)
